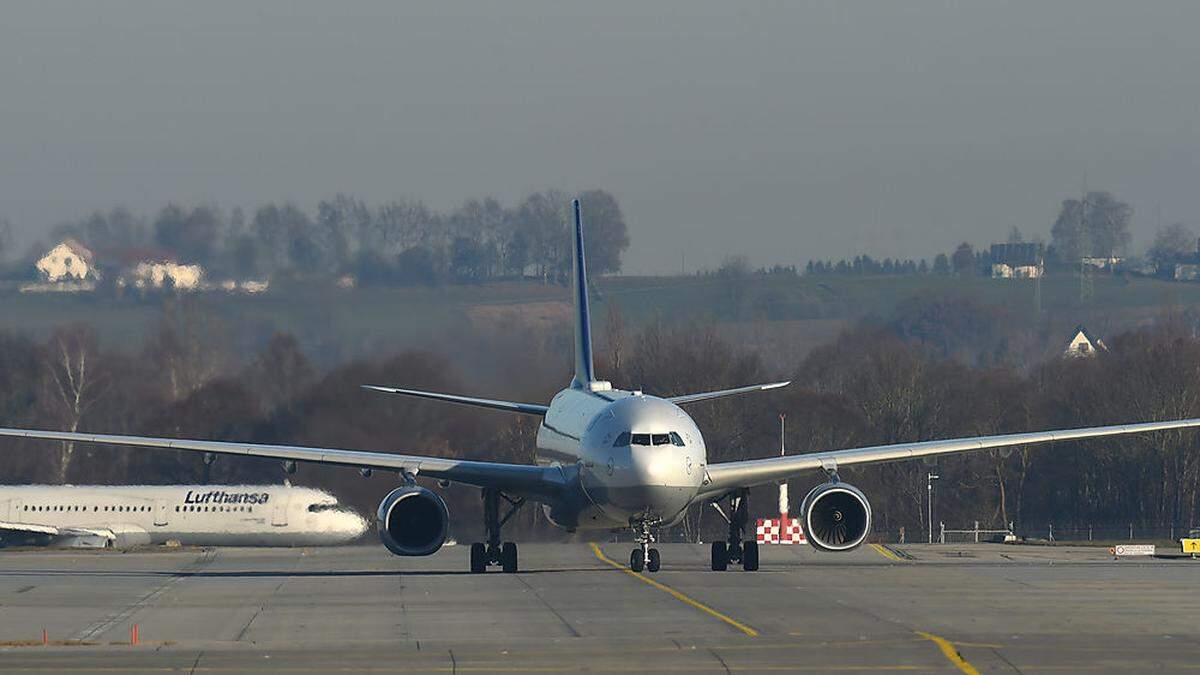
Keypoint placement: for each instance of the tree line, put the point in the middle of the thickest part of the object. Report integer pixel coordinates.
(397, 242)
(910, 377)
(1096, 225)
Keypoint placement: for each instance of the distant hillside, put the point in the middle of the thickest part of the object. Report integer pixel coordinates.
(334, 323)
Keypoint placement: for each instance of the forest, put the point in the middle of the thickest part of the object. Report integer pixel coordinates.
(398, 242)
(912, 376)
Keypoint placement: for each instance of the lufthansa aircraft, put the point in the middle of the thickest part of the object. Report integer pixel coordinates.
(608, 459)
(119, 516)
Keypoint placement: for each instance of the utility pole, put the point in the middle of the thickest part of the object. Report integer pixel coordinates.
(929, 478)
(784, 520)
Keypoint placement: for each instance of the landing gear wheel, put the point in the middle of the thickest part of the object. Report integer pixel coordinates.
(653, 560)
(508, 557)
(750, 556)
(720, 557)
(636, 561)
(479, 558)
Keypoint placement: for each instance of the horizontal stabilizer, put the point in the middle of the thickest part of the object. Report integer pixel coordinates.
(526, 408)
(692, 398)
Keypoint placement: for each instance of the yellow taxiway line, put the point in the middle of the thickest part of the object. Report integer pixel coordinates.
(950, 653)
(886, 552)
(675, 594)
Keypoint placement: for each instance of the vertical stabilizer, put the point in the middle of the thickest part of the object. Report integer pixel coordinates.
(583, 322)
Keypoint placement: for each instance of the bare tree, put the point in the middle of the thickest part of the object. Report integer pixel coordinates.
(74, 382)
(1172, 242)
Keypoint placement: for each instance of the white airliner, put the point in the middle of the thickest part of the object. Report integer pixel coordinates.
(202, 515)
(610, 459)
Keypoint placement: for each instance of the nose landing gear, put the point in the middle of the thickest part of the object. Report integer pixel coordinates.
(494, 552)
(644, 557)
(736, 550)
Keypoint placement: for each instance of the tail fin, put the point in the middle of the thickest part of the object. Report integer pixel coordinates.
(583, 322)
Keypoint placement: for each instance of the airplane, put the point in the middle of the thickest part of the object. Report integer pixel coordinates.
(609, 459)
(122, 516)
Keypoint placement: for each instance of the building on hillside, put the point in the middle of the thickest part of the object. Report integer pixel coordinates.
(1182, 267)
(1102, 263)
(69, 267)
(1084, 344)
(1021, 260)
(156, 274)
(68, 261)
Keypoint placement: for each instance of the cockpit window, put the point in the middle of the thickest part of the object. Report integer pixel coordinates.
(317, 508)
(626, 438)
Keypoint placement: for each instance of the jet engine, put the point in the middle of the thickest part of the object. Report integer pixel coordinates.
(837, 517)
(413, 521)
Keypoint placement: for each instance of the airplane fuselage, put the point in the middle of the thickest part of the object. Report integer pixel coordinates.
(639, 458)
(221, 515)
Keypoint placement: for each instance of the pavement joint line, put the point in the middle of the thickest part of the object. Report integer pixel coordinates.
(675, 594)
(950, 653)
(886, 552)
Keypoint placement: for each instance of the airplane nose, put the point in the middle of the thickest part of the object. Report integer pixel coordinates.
(660, 466)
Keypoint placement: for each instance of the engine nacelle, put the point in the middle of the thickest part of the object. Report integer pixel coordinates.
(413, 521)
(837, 517)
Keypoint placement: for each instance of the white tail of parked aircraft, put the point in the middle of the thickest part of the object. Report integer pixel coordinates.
(609, 458)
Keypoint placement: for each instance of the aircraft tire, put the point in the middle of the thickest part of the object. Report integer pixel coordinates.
(750, 556)
(720, 557)
(478, 558)
(508, 557)
(636, 562)
(653, 560)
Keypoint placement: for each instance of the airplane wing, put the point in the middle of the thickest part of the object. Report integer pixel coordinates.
(69, 536)
(27, 529)
(725, 476)
(511, 406)
(692, 398)
(518, 478)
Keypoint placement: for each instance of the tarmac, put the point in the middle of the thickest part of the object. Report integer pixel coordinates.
(915, 608)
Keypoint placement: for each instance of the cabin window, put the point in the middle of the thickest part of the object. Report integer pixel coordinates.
(676, 440)
(622, 440)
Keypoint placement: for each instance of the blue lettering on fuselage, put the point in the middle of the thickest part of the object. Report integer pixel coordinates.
(223, 497)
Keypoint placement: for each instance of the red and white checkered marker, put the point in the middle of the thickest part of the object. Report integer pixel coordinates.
(781, 530)
(773, 531)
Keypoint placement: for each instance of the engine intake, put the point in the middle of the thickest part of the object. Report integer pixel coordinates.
(837, 517)
(413, 521)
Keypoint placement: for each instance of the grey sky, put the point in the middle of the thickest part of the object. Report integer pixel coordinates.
(780, 130)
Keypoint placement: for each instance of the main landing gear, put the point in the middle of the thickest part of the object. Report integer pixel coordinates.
(493, 552)
(735, 550)
(644, 557)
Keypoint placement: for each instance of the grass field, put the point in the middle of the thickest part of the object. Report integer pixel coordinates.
(334, 322)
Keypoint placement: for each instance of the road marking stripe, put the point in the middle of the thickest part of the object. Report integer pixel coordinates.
(675, 594)
(950, 653)
(886, 552)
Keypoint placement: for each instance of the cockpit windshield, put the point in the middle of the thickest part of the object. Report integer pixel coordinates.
(628, 438)
(327, 506)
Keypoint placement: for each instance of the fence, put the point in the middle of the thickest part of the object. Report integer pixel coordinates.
(1042, 531)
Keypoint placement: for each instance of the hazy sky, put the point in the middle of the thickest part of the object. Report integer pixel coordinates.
(782, 130)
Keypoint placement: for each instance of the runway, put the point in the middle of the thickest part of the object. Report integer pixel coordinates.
(947, 608)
